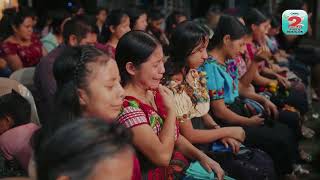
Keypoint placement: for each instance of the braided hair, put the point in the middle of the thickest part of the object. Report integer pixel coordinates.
(71, 72)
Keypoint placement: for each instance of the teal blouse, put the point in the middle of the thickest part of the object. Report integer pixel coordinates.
(222, 80)
(49, 42)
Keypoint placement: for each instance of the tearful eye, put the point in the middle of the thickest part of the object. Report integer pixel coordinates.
(109, 86)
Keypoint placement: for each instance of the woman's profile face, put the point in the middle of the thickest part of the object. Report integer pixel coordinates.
(103, 96)
(150, 73)
(25, 29)
(123, 27)
(102, 16)
(156, 24)
(234, 48)
(261, 30)
(141, 23)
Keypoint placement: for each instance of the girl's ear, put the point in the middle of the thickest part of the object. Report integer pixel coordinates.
(131, 69)
(112, 29)
(253, 27)
(83, 97)
(73, 41)
(14, 28)
(226, 39)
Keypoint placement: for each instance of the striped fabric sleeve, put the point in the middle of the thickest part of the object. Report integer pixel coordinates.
(132, 116)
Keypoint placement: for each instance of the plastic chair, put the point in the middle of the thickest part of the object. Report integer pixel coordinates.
(6, 86)
(24, 76)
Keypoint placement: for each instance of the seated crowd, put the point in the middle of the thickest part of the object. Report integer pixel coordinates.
(120, 98)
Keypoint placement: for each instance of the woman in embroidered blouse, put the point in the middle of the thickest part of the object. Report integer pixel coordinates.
(188, 52)
(222, 83)
(292, 107)
(88, 85)
(257, 24)
(246, 88)
(22, 48)
(149, 111)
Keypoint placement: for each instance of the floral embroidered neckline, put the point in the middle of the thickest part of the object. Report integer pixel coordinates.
(154, 117)
(195, 86)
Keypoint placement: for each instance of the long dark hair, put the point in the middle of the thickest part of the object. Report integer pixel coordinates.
(172, 20)
(71, 72)
(134, 14)
(11, 19)
(290, 4)
(15, 106)
(79, 26)
(114, 19)
(185, 37)
(57, 17)
(135, 47)
(254, 16)
(227, 25)
(77, 147)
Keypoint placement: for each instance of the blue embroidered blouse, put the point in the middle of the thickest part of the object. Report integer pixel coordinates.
(222, 80)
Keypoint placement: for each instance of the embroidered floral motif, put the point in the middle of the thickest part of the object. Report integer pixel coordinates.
(212, 93)
(134, 104)
(195, 86)
(216, 94)
(232, 69)
(154, 119)
(184, 117)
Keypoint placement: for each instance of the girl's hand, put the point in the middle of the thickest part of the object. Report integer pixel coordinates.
(283, 81)
(234, 144)
(271, 109)
(237, 133)
(256, 120)
(262, 54)
(210, 165)
(167, 97)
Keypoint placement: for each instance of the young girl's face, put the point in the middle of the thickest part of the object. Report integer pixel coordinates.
(156, 24)
(243, 44)
(122, 28)
(102, 16)
(141, 23)
(198, 55)
(178, 78)
(234, 47)
(260, 31)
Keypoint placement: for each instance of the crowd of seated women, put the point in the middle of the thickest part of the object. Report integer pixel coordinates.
(121, 98)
